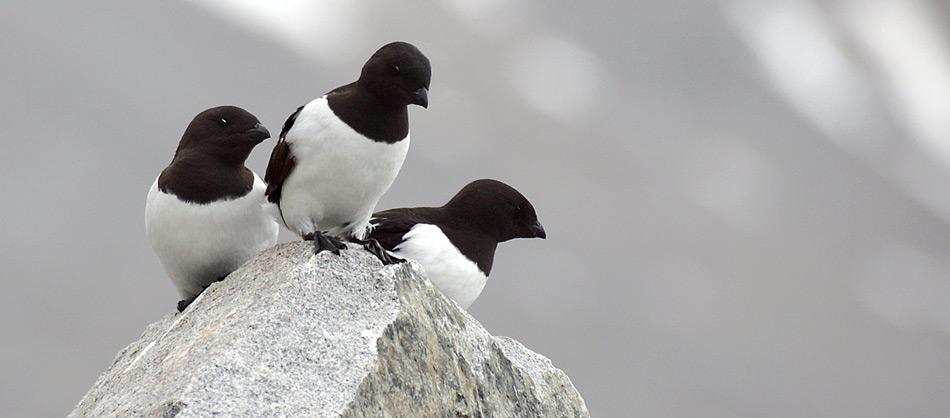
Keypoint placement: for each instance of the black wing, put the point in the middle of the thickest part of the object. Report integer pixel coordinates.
(281, 162)
(389, 226)
(342, 88)
(289, 123)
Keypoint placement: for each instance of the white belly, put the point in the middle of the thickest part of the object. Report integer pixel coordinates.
(448, 269)
(340, 175)
(200, 243)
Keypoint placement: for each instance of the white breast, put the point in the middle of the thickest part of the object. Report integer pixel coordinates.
(454, 274)
(339, 176)
(200, 243)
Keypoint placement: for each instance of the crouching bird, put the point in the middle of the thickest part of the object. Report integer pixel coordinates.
(339, 153)
(456, 242)
(206, 214)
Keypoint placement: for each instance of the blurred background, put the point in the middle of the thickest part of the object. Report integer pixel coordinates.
(747, 201)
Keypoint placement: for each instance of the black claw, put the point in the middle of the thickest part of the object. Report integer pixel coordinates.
(182, 304)
(323, 242)
(376, 249)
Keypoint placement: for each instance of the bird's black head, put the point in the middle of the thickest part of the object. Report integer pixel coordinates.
(226, 134)
(498, 209)
(398, 74)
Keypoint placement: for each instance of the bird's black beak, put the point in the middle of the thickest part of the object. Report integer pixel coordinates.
(537, 230)
(258, 133)
(421, 97)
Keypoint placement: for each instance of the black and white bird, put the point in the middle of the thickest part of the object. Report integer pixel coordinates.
(206, 214)
(339, 153)
(456, 242)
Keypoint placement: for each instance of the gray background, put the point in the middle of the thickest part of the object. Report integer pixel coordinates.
(747, 201)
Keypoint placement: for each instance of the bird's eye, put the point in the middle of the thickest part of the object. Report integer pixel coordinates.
(517, 209)
(394, 69)
(222, 122)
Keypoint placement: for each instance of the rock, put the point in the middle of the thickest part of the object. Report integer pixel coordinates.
(293, 334)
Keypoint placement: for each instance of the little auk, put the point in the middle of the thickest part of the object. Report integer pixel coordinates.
(455, 243)
(206, 214)
(339, 153)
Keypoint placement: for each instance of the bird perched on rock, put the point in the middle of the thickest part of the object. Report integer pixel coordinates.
(339, 153)
(456, 242)
(206, 214)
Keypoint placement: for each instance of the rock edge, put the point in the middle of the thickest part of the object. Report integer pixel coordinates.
(291, 333)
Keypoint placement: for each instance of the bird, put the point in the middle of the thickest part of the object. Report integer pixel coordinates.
(206, 213)
(339, 153)
(455, 243)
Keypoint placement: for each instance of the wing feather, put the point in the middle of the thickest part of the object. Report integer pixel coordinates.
(389, 226)
(281, 162)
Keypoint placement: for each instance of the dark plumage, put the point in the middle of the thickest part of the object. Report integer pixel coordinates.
(481, 215)
(206, 214)
(209, 162)
(281, 162)
(326, 178)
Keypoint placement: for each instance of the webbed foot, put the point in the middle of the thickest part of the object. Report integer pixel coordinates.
(183, 304)
(376, 249)
(323, 242)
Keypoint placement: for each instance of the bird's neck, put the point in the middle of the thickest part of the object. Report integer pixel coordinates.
(205, 181)
(477, 247)
(370, 115)
(475, 240)
(221, 160)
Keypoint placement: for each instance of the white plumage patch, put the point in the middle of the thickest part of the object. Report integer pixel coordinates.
(200, 243)
(451, 271)
(339, 176)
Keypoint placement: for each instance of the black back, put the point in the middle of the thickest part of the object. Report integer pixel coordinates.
(482, 214)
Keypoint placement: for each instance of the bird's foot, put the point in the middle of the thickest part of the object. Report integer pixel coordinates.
(183, 304)
(376, 249)
(322, 242)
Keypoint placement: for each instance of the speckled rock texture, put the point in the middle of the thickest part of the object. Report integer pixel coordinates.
(294, 334)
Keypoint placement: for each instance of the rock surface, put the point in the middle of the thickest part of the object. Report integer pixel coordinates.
(293, 334)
